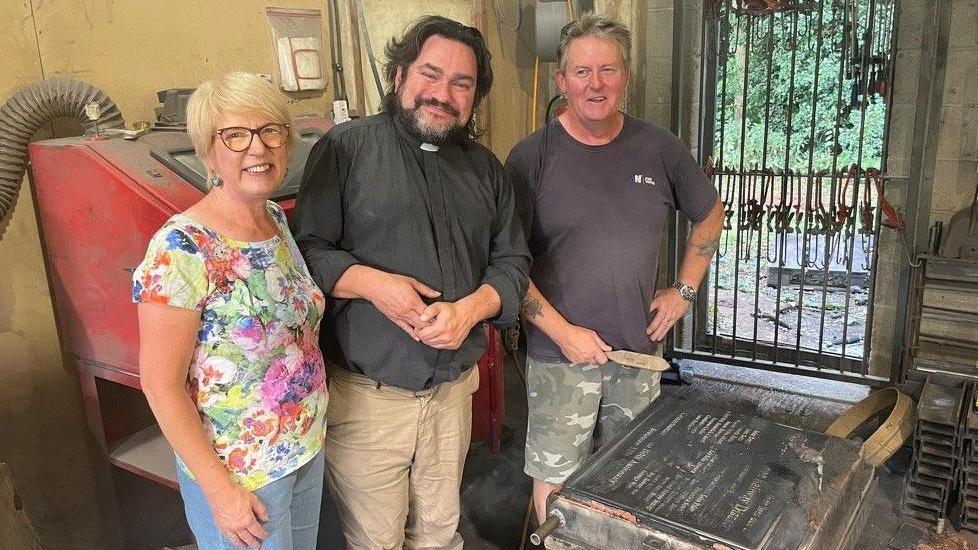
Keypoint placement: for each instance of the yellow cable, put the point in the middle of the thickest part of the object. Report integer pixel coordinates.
(570, 9)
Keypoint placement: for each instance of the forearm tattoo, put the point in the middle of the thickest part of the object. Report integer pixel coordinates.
(708, 248)
(530, 308)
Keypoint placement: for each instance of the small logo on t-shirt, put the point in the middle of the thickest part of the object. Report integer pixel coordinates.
(643, 180)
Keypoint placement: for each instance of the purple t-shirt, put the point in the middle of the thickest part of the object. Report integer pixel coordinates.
(594, 217)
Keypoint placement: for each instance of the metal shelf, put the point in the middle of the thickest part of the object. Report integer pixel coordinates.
(146, 453)
(946, 353)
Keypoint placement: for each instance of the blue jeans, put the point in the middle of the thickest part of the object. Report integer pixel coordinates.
(292, 503)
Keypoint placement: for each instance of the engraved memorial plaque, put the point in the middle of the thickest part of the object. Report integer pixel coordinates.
(710, 474)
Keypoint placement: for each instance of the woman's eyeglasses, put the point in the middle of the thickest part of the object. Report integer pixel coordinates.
(238, 139)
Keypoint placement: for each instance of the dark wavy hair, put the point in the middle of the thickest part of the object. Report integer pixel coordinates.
(401, 53)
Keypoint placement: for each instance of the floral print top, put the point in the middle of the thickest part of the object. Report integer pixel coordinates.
(257, 375)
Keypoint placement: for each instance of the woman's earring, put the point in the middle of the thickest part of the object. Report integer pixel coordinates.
(216, 181)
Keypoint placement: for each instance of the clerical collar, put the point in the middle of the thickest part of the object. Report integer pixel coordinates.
(428, 147)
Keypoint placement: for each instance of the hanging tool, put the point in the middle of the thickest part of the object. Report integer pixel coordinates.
(732, 45)
(749, 209)
(728, 201)
(848, 231)
(743, 222)
(769, 208)
(759, 203)
(341, 109)
(893, 220)
(866, 242)
(839, 220)
(782, 216)
(821, 225)
(797, 214)
(867, 215)
(727, 193)
(817, 211)
(840, 206)
(787, 203)
(867, 221)
(774, 221)
(803, 213)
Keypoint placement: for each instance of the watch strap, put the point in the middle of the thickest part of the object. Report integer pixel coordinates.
(687, 292)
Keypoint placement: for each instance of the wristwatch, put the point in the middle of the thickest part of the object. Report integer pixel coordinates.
(687, 292)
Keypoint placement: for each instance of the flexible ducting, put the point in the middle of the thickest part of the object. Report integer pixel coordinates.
(31, 107)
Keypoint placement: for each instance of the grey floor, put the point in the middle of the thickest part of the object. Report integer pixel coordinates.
(495, 490)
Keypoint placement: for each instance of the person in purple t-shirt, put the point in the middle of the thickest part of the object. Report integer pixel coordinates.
(594, 189)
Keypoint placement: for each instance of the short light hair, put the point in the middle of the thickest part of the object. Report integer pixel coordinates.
(598, 26)
(235, 93)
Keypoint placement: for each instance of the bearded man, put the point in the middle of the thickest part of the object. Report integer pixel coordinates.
(409, 226)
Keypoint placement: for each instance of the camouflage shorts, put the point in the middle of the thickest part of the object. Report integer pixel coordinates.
(571, 404)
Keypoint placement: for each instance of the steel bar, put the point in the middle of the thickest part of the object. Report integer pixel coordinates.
(810, 170)
(740, 212)
(545, 529)
(765, 181)
(834, 183)
(790, 178)
(782, 367)
(870, 47)
(714, 55)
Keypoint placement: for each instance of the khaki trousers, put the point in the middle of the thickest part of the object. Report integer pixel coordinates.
(394, 460)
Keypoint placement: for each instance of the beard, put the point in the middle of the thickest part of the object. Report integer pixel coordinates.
(422, 129)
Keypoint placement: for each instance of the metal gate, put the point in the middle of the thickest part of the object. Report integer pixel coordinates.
(794, 100)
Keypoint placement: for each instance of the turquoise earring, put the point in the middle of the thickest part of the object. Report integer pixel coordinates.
(216, 181)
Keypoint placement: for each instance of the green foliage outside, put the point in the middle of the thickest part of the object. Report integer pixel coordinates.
(774, 95)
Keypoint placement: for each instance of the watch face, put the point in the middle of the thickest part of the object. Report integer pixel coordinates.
(686, 291)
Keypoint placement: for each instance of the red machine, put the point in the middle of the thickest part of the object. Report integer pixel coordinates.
(99, 201)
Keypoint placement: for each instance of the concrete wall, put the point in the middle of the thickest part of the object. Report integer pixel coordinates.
(655, 39)
(956, 173)
(42, 438)
(130, 50)
(900, 141)
(956, 168)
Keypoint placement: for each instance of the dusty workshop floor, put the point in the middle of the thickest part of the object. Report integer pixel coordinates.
(494, 489)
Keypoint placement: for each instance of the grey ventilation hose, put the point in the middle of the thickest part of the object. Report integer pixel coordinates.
(31, 107)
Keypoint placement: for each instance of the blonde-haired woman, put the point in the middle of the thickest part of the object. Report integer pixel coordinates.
(229, 321)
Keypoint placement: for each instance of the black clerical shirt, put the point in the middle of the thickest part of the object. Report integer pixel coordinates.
(372, 194)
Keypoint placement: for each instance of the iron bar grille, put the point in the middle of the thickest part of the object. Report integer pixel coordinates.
(795, 103)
